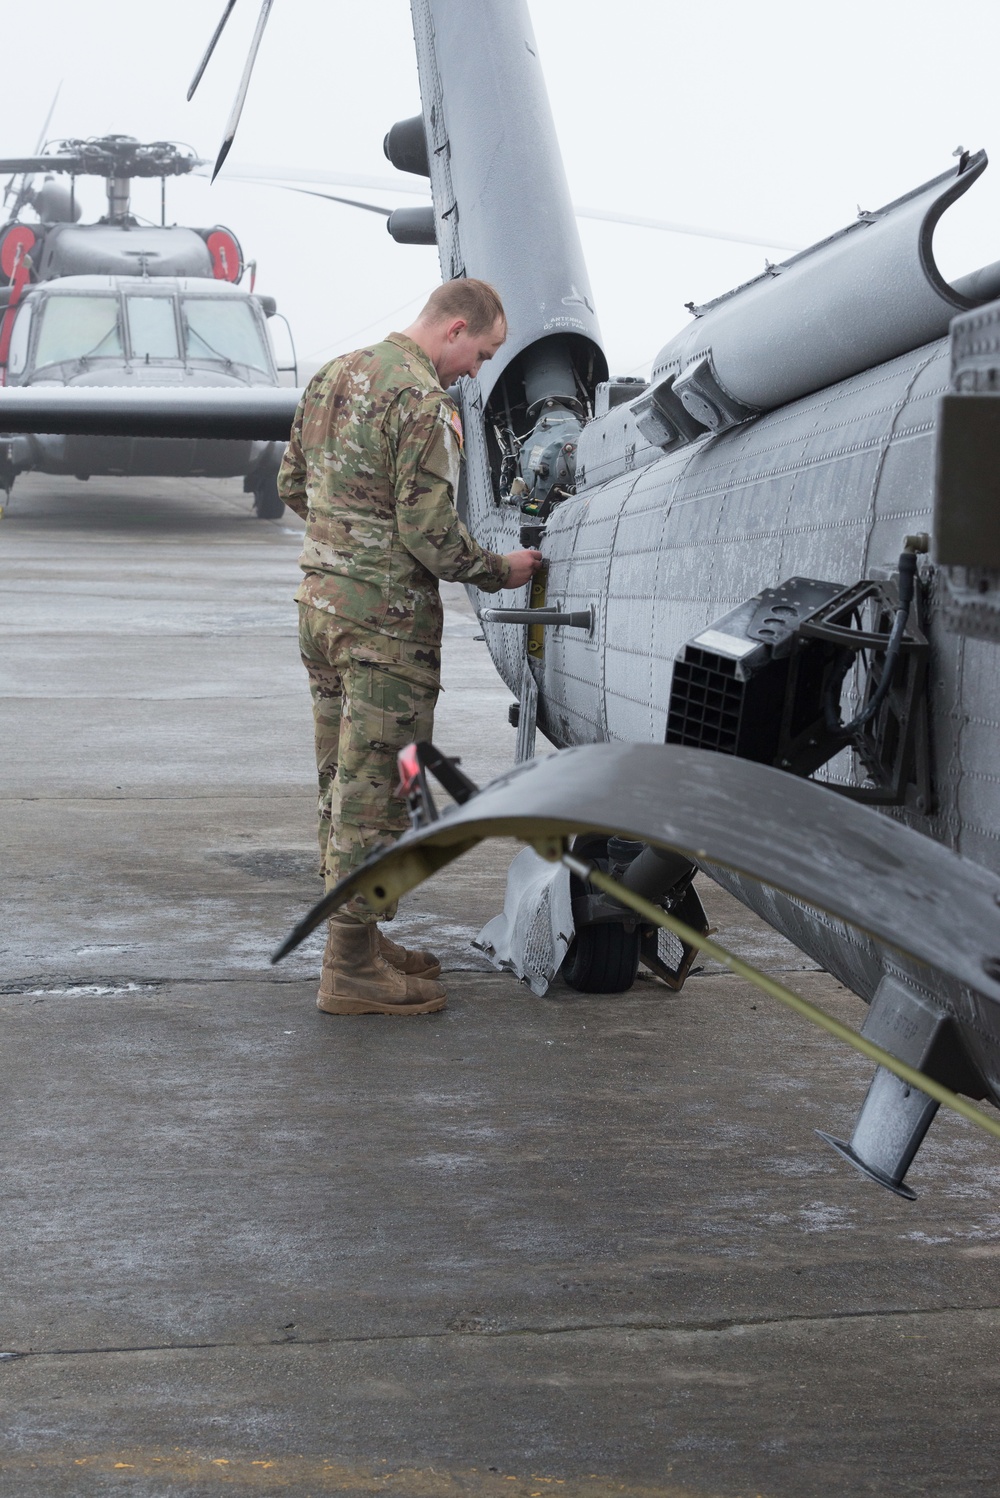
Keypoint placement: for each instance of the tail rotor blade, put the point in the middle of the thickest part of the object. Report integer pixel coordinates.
(237, 109)
(210, 48)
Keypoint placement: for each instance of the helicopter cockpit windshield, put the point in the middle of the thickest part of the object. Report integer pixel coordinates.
(152, 327)
(220, 328)
(79, 327)
(166, 326)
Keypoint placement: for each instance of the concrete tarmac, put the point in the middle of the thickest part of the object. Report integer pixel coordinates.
(587, 1245)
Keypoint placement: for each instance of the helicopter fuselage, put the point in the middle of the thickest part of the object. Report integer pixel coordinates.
(660, 547)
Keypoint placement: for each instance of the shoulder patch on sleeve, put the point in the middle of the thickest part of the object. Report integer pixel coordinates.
(455, 421)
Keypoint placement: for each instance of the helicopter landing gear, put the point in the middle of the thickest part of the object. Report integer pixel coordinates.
(8, 473)
(262, 483)
(609, 944)
(267, 502)
(603, 957)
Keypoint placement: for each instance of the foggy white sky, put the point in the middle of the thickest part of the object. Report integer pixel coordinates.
(779, 120)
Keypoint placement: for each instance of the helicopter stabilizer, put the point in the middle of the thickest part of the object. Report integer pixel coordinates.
(260, 412)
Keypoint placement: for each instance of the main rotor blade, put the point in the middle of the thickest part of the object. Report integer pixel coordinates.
(21, 195)
(39, 164)
(210, 48)
(329, 196)
(48, 118)
(281, 176)
(237, 109)
(669, 227)
(252, 173)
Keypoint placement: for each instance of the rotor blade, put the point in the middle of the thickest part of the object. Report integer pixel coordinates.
(210, 48)
(251, 173)
(48, 117)
(351, 202)
(39, 164)
(673, 228)
(329, 196)
(241, 94)
(21, 196)
(17, 197)
(763, 823)
(311, 192)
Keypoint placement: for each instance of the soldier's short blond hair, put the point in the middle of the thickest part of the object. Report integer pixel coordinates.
(477, 301)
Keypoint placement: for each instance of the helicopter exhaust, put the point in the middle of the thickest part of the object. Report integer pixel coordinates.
(412, 225)
(405, 145)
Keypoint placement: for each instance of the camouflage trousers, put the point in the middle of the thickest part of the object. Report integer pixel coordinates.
(372, 695)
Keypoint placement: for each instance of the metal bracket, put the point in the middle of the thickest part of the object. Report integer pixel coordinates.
(760, 681)
(413, 763)
(706, 399)
(670, 958)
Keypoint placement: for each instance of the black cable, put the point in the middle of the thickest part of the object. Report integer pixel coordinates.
(831, 707)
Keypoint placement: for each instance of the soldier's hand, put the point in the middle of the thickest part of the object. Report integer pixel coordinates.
(523, 566)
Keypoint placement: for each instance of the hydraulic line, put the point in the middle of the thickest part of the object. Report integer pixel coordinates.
(657, 917)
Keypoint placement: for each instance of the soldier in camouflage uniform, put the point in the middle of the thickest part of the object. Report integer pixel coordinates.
(372, 467)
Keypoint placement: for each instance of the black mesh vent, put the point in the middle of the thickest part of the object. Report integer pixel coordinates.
(706, 702)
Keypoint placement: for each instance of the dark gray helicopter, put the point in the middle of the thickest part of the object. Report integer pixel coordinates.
(126, 304)
(765, 639)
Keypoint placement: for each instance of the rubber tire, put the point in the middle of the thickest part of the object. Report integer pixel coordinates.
(267, 502)
(602, 959)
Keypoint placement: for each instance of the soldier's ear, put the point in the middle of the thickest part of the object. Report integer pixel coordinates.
(456, 328)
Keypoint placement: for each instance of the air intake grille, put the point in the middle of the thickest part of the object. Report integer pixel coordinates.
(730, 681)
(706, 702)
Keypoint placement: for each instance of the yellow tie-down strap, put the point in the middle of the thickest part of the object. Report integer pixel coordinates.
(552, 850)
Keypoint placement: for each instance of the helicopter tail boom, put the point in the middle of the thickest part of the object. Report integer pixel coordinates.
(487, 120)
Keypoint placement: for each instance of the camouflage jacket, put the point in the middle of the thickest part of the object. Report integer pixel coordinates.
(372, 467)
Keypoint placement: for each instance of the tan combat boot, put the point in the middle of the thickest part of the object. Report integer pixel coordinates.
(413, 964)
(357, 979)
